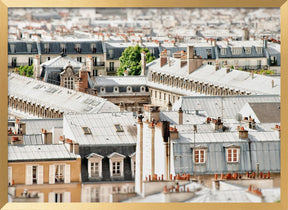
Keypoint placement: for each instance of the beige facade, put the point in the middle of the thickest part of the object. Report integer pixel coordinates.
(53, 181)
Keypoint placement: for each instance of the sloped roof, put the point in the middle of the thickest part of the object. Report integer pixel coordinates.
(267, 112)
(61, 62)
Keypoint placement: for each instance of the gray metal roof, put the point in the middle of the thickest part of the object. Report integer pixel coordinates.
(60, 62)
(102, 127)
(212, 105)
(238, 80)
(266, 112)
(39, 152)
(34, 126)
(120, 81)
(56, 97)
(32, 139)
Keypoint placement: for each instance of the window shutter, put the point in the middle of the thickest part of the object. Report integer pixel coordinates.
(67, 173)
(67, 197)
(41, 197)
(51, 174)
(88, 195)
(28, 175)
(51, 197)
(10, 175)
(89, 168)
(122, 167)
(40, 175)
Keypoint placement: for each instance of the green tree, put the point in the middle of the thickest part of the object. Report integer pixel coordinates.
(131, 58)
(26, 70)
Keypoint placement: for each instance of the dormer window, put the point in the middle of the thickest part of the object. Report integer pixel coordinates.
(259, 50)
(129, 89)
(77, 48)
(111, 54)
(93, 48)
(236, 50)
(63, 47)
(12, 48)
(142, 89)
(116, 89)
(29, 47)
(46, 48)
(232, 154)
(247, 50)
(209, 53)
(199, 155)
(102, 90)
(116, 164)
(223, 51)
(94, 165)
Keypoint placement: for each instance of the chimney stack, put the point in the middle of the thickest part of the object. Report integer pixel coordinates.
(47, 136)
(143, 63)
(194, 62)
(243, 134)
(169, 106)
(122, 106)
(217, 66)
(163, 57)
(273, 85)
(218, 124)
(36, 67)
(180, 119)
(152, 112)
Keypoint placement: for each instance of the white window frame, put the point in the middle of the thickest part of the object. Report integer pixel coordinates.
(95, 194)
(52, 173)
(92, 159)
(29, 174)
(66, 197)
(197, 151)
(259, 50)
(223, 51)
(113, 158)
(234, 151)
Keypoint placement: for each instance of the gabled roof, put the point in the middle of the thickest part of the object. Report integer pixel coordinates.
(94, 155)
(115, 154)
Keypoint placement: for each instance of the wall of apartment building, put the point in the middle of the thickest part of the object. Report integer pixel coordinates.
(20, 59)
(242, 62)
(18, 179)
(107, 72)
(104, 190)
(161, 98)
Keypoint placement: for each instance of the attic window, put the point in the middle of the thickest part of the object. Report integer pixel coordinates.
(118, 128)
(29, 48)
(93, 48)
(12, 47)
(259, 50)
(223, 51)
(86, 130)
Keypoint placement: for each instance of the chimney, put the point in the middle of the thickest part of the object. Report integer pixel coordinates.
(47, 136)
(252, 74)
(243, 134)
(122, 106)
(176, 55)
(218, 124)
(36, 67)
(265, 43)
(194, 62)
(217, 66)
(163, 57)
(273, 85)
(22, 128)
(83, 76)
(74, 147)
(174, 133)
(89, 64)
(143, 63)
(183, 59)
(152, 112)
(180, 119)
(165, 125)
(227, 69)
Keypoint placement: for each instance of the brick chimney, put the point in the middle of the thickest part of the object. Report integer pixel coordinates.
(243, 134)
(163, 57)
(180, 114)
(194, 62)
(143, 63)
(183, 59)
(218, 124)
(177, 55)
(36, 67)
(82, 84)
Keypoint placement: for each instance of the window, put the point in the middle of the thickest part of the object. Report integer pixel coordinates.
(30, 61)
(116, 164)
(223, 51)
(46, 48)
(259, 50)
(94, 165)
(12, 48)
(209, 53)
(34, 174)
(232, 155)
(14, 62)
(59, 197)
(59, 173)
(63, 47)
(111, 66)
(77, 48)
(199, 156)
(236, 50)
(94, 61)
(79, 59)
(93, 48)
(86, 130)
(118, 128)
(95, 72)
(95, 194)
(69, 83)
(29, 47)
(129, 89)
(116, 169)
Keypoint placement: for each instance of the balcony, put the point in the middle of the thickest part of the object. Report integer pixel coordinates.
(99, 64)
(111, 71)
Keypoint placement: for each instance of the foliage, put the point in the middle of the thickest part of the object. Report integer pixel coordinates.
(131, 58)
(25, 70)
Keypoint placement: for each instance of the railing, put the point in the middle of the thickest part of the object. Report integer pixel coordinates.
(99, 64)
(109, 69)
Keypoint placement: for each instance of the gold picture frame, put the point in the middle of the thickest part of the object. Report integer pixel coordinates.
(5, 4)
